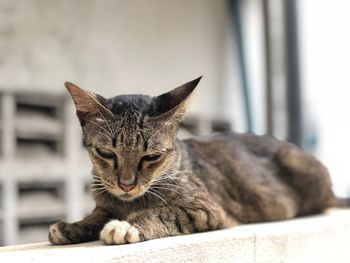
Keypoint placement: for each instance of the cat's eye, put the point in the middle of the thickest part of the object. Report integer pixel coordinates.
(105, 153)
(151, 157)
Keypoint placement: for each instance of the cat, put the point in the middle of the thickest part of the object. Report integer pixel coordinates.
(148, 184)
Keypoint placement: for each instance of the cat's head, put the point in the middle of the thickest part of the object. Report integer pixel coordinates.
(130, 138)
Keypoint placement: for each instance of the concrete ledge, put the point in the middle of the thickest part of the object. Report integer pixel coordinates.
(323, 238)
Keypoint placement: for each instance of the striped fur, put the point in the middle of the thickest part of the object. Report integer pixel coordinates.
(183, 187)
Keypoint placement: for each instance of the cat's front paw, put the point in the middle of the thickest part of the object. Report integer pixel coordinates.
(62, 233)
(118, 232)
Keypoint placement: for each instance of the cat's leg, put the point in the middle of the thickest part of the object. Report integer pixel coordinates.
(88, 229)
(163, 222)
(309, 177)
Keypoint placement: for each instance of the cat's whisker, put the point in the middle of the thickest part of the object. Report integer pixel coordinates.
(164, 184)
(99, 125)
(167, 189)
(173, 173)
(97, 188)
(167, 178)
(158, 131)
(96, 181)
(158, 192)
(109, 126)
(158, 196)
(172, 181)
(107, 194)
(97, 184)
(169, 175)
(108, 138)
(100, 191)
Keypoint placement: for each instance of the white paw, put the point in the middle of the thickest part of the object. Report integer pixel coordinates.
(118, 232)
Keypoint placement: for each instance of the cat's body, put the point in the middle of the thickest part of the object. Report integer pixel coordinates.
(258, 178)
(152, 185)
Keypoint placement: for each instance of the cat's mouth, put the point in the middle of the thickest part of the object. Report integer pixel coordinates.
(127, 196)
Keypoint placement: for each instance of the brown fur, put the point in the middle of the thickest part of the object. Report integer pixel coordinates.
(182, 187)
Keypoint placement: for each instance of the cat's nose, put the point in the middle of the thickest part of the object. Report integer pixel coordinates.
(127, 183)
(127, 188)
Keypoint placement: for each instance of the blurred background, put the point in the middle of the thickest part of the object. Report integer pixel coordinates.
(276, 67)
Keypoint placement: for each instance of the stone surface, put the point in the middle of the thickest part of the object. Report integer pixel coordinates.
(322, 238)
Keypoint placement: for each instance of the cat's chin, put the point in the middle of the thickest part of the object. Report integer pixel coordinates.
(126, 196)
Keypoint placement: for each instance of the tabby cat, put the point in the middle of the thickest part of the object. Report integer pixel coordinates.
(148, 184)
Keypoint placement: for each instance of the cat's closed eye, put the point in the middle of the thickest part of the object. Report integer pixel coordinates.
(105, 153)
(151, 157)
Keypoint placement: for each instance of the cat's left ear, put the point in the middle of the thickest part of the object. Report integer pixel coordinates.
(173, 104)
(87, 103)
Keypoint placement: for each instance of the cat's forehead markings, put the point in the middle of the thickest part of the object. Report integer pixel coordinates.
(99, 120)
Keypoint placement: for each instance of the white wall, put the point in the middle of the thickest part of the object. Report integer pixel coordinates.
(115, 47)
(325, 43)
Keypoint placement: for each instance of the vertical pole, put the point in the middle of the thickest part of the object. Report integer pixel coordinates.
(237, 21)
(9, 181)
(294, 99)
(268, 68)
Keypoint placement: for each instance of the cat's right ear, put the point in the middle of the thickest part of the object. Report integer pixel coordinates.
(87, 104)
(173, 104)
